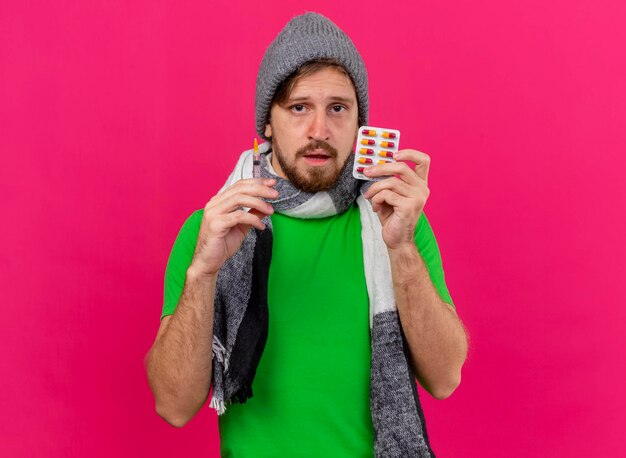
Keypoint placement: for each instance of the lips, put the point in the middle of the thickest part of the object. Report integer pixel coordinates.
(318, 154)
(317, 158)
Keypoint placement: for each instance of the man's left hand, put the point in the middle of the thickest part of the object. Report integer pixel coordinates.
(399, 199)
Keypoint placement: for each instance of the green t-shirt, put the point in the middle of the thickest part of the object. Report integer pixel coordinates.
(311, 389)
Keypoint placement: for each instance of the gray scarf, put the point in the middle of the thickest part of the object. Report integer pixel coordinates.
(241, 313)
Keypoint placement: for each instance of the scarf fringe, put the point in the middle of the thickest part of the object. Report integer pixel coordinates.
(242, 394)
(240, 397)
(218, 405)
(219, 352)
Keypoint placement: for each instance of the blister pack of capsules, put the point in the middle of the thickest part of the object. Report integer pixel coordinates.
(374, 145)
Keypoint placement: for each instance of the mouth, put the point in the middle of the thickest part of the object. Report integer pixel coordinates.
(317, 157)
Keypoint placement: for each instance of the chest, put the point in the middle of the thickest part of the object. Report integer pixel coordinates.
(317, 276)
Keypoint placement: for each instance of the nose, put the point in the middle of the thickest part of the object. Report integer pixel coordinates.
(318, 127)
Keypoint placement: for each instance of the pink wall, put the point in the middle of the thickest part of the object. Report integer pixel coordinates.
(117, 119)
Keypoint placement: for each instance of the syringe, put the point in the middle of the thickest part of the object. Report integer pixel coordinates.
(256, 161)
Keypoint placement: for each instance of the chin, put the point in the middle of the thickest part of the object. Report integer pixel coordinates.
(314, 184)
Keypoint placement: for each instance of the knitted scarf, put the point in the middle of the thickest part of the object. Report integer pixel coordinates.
(241, 312)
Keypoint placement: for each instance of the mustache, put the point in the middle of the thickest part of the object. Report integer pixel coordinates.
(317, 144)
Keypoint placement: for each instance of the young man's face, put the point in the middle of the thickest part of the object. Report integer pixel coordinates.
(314, 130)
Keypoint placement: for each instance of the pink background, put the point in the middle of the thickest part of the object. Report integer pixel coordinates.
(118, 119)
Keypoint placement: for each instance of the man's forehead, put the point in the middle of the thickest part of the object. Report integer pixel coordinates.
(330, 84)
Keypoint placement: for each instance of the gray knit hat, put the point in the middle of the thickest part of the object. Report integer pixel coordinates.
(307, 37)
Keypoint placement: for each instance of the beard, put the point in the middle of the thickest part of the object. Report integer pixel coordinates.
(311, 179)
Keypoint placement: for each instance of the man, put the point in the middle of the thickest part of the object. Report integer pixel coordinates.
(309, 301)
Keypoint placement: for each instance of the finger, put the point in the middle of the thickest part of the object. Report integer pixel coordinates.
(388, 197)
(243, 218)
(383, 209)
(421, 160)
(403, 206)
(401, 169)
(391, 183)
(236, 201)
(260, 187)
(257, 213)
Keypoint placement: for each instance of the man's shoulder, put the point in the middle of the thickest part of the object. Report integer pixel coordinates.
(191, 226)
(195, 217)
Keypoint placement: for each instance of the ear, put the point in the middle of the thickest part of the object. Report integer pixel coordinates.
(268, 130)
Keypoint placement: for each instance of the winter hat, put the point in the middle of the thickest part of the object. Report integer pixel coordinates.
(307, 37)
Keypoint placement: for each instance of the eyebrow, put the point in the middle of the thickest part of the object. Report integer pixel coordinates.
(336, 98)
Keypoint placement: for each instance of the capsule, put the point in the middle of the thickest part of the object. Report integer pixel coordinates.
(364, 160)
(370, 132)
(360, 169)
(384, 162)
(389, 135)
(367, 141)
(366, 151)
(388, 154)
(387, 144)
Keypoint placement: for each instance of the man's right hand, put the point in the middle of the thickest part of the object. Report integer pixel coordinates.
(225, 225)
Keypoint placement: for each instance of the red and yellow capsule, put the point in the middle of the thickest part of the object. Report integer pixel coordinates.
(387, 144)
(360, 169)
(367, 141)
(364, 160)
(369, 132)
(384, 162)
(388, 154)
(389, 135)
(366, 151)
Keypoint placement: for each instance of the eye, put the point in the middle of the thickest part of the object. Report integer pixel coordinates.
(297, 108)
(338, 108)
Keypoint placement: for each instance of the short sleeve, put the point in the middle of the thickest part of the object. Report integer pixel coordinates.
(429, 251)
(178, 262)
